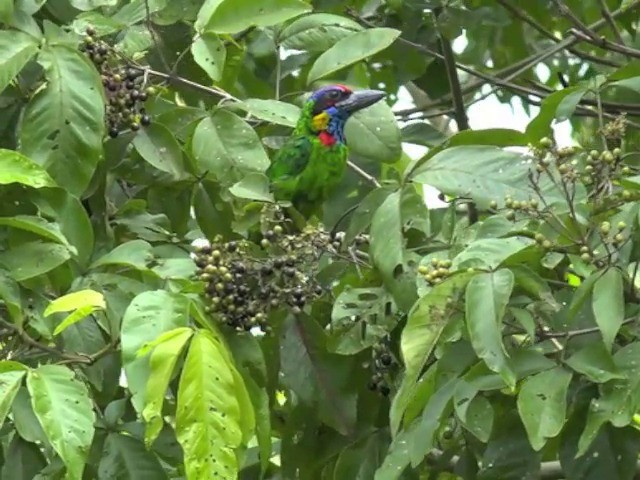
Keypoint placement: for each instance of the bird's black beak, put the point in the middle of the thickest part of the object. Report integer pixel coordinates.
(360, 99)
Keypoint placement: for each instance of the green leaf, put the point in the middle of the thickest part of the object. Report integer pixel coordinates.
(387, 241)
(16, 49)
(374, 133)
(205, 12)
(63, 124)
(482, 172)
(317, 377)
(11, 375)
(490, 252)
(210, 53)
(213, 214)
(83, 302)
(85, 5)
(149, 315)
(64, 409)
(273, 111)
(233, 16)
(162, 363)
(478, 418)
(6, 13)
(542, 404)
(226, 146)
(608, 304)
(209, 413)
(16, 168)
(427, 319)
(595, 362)
(37, 225)
(31, 259)
(487, 295)
(126, 457)
(26, 460)
(317, 32)
(254, 186)
(350, 50)
(158, 147)
(135, 254)
(557, 106)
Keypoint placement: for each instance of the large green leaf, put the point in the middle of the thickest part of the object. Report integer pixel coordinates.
(427, 319)
(387, 241)
(210, 411)
(16, 168)
(83, 303)
(595, 362)
(557, 106)
(487, 296)
(272, 111)
(33, 258)
(374, 133)
(232, 16)
(65, 411)
(92, 4)
(16, 49)
(351, 49)
(136, 254)
(125, 457)
(149, 315)
(63, 124)
(608, 304)
(226, 146)
(317, 377)
(37, 225)
(210, 53)
(157, 145)
(490, 252)
(162, 363)
(26, 460)
(317, 32)
(11, 375)
(542, 404)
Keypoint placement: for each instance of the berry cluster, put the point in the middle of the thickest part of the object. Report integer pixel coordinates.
(244, 282)
(436, 272)
(124, 87)
(382, 362)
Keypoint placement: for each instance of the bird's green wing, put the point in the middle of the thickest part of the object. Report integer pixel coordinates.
(287, 165)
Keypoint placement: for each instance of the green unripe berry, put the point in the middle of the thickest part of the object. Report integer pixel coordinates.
(621, 225)
(617, 152)
(626, 170)
(618, 238)
(584, 249)
(594, 154)
(508, 202)
(540, 238)
(493, 204)
(626, 195)
(547, 244)
(585, 257)
(264, 243)
(546, 142)
(423, 269)
(511, 215)
(608, 157)
(605, 228)
(277, 229)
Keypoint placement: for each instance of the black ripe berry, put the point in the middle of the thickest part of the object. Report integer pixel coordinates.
(385, 359)
(135, 126)
(113, 132)
(384, 390)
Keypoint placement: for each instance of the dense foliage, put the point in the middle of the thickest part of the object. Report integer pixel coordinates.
(495, 338)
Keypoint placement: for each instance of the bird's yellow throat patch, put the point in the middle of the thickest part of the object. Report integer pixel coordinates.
(320, 122)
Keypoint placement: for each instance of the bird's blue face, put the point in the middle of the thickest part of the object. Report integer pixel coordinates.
(334, 104)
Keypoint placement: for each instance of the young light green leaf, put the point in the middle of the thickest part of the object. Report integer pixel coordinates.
(83, 302)
(209, 414)
(16, 49)
(85, 5)
(317, 32)
(487, 295)
(158, 147)
(63, 124)
(608, 304)
(64, 409)
(149, 315)
(205, 12)
(374, 133)
(557, 106)
(210, 53)
(16, 168)
(125, 456)
(387, 241)
(542, 404)
(33, 258)
(233, 16)
(351, 49)
(490, 252)
(162, 363)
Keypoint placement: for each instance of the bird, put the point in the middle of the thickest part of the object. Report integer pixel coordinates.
(311, 163)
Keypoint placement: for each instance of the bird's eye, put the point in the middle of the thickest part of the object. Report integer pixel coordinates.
(334, 94)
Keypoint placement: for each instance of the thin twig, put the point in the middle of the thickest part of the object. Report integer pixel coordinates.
(154, 36)
(606, 13)
(369, 178)
(607, 44)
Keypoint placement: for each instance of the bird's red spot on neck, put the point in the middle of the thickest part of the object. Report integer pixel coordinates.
(326, 138)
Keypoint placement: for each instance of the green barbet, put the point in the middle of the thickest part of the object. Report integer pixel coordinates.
(312, 162)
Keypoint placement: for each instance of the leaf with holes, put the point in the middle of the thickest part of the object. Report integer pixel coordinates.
(273, 111)
(16, 168)
(31, 259)
(317, 32)
(210, 53)
(210, 410)
(125, 456)
(16, 49)
(233, 16)
(63, 407)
